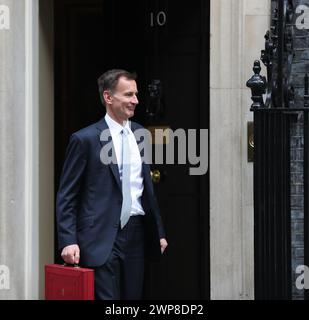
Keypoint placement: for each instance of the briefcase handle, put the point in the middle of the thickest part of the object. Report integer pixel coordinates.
(75, 265)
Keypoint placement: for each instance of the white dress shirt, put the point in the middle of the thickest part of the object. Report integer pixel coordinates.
(136, 177)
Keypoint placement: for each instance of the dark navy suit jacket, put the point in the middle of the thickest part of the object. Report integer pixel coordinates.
(89, 200)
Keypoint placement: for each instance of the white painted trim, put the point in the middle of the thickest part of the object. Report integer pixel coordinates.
(46, 150)
(31, 150)
(225, 149)
(231, 183)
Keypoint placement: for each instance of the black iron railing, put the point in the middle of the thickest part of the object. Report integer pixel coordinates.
(274, 113)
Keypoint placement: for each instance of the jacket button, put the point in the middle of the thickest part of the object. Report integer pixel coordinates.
(116, 224)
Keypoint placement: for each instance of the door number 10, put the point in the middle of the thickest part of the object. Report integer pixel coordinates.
(159, 19)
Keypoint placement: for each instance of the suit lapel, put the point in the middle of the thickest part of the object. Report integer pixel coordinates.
(102, 126)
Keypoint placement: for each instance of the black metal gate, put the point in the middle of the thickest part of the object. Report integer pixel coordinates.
(274, 115)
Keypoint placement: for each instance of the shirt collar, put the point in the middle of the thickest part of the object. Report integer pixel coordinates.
(115, 126)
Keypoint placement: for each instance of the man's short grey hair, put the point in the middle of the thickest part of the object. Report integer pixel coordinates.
(109, 80)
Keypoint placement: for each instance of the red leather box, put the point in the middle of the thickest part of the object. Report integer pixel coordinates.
(68, 283)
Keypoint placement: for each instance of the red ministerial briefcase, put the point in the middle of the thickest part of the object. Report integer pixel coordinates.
(68, 283)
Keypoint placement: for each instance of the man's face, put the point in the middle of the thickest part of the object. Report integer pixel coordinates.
(121, 103)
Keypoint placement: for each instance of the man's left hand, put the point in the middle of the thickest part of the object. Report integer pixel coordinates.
(163, 244)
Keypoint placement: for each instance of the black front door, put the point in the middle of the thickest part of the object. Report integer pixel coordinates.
(167, 44)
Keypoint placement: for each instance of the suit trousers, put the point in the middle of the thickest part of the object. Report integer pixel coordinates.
(122, 276)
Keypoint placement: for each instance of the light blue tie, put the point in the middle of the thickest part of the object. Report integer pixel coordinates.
(126, 190)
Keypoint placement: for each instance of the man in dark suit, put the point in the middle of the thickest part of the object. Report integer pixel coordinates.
(107, 214)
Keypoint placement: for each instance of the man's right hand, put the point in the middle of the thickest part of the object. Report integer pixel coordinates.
(70, 254)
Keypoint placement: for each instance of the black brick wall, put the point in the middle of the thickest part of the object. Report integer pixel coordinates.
(300, 67)
(297, 204)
